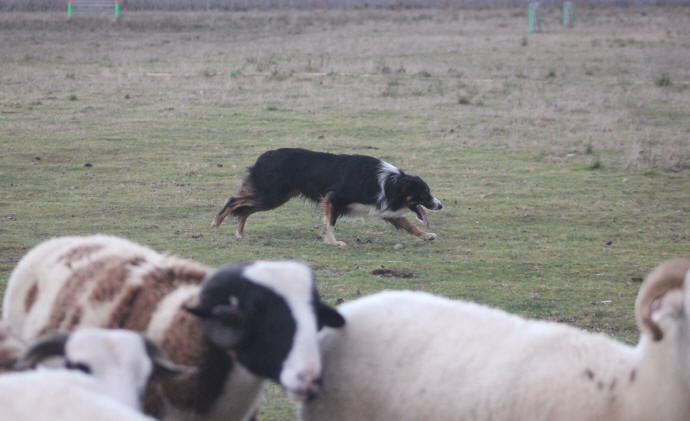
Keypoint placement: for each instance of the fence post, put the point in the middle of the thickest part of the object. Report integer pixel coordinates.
(534, 18)
(568, 14)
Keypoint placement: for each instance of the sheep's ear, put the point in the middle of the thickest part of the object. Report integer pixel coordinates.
(328, 316)
(661, 295)
(223, 325)
(162, 365)
(46, 347)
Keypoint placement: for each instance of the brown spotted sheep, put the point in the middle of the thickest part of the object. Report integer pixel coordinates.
(107, 372)
(409, 356)
(236, 326)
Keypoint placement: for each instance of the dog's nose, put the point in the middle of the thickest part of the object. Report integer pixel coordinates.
(438, 204)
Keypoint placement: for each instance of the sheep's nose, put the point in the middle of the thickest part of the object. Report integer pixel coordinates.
(310, 384)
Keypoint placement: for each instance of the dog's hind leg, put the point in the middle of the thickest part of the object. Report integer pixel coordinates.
(238, 206)
(241, 220)
(329, 218)
(408, 226)
(227, 209)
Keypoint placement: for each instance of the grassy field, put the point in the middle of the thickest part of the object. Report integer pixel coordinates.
(562, 158)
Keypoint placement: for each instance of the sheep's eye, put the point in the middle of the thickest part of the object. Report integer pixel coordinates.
(78, 366)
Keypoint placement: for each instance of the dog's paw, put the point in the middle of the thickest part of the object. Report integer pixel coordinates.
(240, 235)
(337, 243)
(428, 236)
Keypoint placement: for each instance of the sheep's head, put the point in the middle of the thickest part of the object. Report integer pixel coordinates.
(120, 359)
(663, 298)
(268, 315)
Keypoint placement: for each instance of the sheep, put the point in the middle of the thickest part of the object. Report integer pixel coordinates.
(109, 372)
(237, 326)
(415, 356)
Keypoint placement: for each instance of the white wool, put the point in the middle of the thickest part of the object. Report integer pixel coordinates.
(409, 356)
(60, 395)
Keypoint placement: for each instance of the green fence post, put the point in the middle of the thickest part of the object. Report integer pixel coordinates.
(533, 20)
(568, 14)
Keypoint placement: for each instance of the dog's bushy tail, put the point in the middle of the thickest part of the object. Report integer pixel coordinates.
(235, 206)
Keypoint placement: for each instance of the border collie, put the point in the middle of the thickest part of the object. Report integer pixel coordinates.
(356, 185)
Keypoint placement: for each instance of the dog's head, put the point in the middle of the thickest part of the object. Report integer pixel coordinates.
(416, 194)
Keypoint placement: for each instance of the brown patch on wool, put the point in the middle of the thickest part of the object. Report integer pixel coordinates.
(184, 342)
(122, 312)
(633, 373)
(600, 385)
(30, 298)
(113, 280)
(75, 318)
(589, 373)
(107, 270)
(136, 306)
(152, 401)
(184, 329)
(612, 385)
(79, 252)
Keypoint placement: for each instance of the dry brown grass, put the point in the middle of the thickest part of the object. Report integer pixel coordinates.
(555, 93)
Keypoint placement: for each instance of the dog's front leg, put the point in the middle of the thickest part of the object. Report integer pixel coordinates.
(329, 222)
(411, 228)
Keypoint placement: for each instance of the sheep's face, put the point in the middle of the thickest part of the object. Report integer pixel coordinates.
(118, 358)
(268, 315)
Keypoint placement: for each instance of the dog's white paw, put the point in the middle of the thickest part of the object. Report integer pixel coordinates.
(428, 236)
(240, 235)
(336, 243)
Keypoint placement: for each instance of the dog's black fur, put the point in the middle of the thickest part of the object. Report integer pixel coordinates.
(337, 182)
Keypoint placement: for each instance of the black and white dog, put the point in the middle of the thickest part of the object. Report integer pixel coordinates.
(356, 185)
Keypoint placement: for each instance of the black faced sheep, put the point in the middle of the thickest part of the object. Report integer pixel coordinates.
(248, 322)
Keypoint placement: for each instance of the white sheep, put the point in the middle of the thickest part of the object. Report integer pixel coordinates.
(408, 356)
(247, 323)
(109, 372)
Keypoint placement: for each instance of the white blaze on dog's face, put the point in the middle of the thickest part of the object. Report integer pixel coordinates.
(268, 314)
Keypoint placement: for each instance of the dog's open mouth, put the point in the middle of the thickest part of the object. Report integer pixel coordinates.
(421, 215)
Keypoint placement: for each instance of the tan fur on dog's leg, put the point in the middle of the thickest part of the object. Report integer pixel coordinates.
(328, 231)
(239, 231)
(411, 228)
(219, 218)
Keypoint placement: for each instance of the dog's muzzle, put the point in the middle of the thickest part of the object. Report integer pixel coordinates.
(436, 205)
